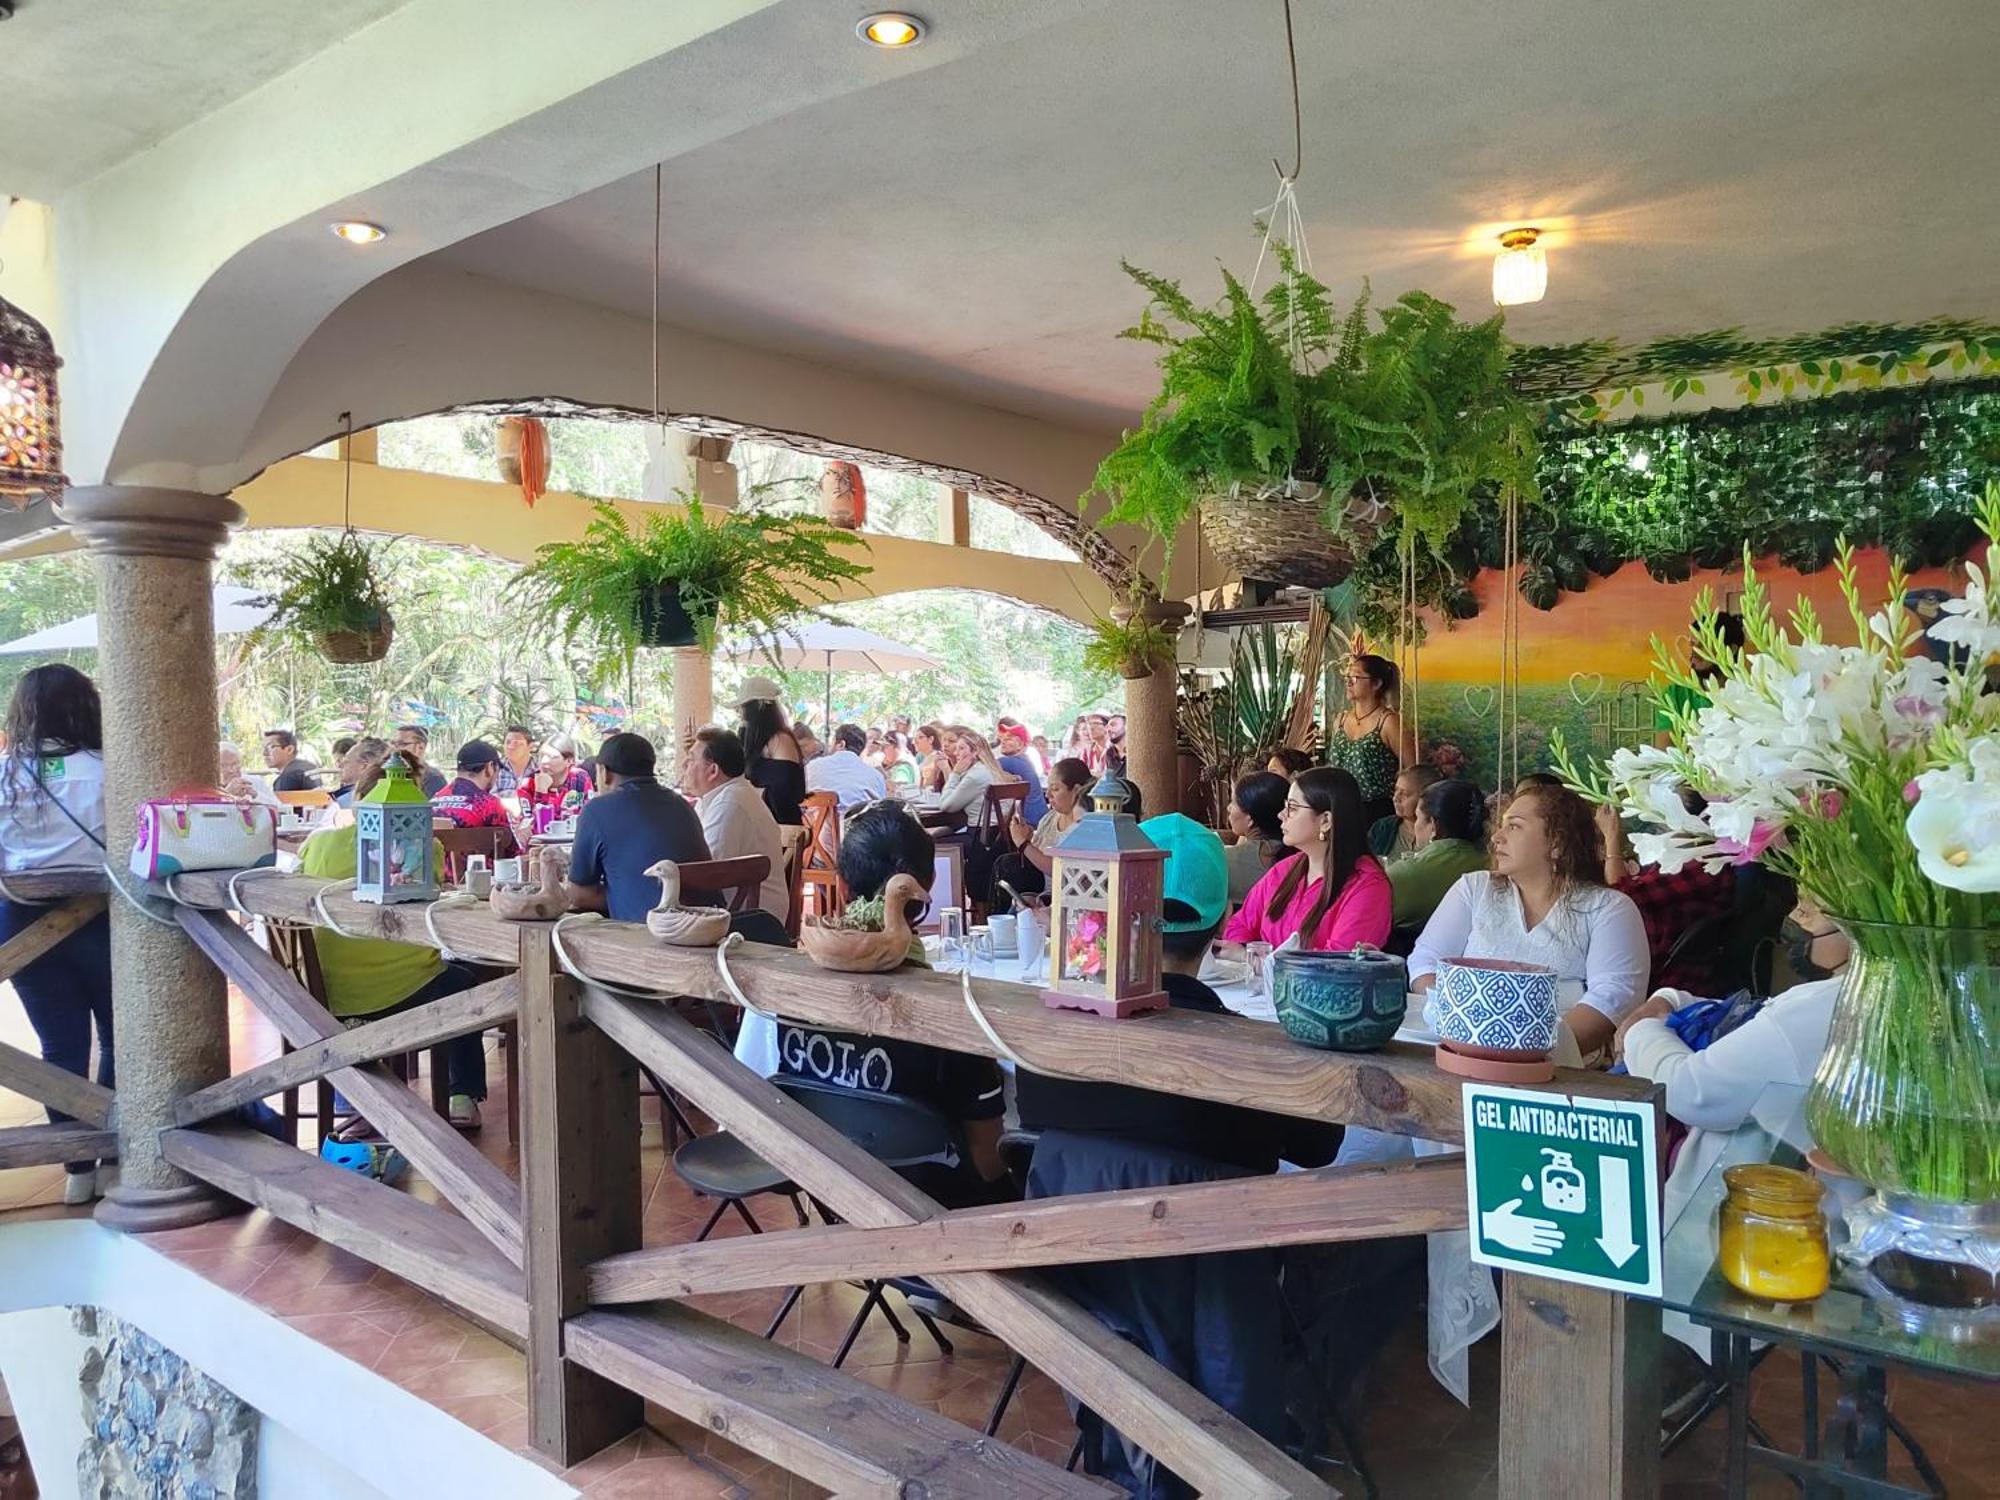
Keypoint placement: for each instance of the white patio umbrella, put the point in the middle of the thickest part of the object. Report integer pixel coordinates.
(236, 610)
(824, 647)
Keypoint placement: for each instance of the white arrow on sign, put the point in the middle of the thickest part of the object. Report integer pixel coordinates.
(1615, 1193)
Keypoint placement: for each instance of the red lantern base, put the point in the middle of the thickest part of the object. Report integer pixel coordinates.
(1117, 1010)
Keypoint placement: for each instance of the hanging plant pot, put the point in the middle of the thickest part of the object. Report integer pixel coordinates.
(843, 496)
(1671, 567)
(1135, 669)
(1277, 532)
(349, 648)
(665, 621)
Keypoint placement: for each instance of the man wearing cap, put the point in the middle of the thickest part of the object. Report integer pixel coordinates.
(469, 801)
(1010, 741)
(631, 825)
(843, 772)
(1211, 1319)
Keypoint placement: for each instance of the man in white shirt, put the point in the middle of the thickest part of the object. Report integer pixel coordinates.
(843, 772)
(734, 817)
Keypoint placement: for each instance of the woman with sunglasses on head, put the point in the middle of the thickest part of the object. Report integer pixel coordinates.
(1331, 892)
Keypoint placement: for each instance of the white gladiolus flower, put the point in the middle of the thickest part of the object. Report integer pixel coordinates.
(1955, 826)
(1969, 622)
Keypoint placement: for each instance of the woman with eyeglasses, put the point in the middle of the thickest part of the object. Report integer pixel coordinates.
(1369, 741)
(1330, 891)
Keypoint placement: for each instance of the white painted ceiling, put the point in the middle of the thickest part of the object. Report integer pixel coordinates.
(1782, 166)
(91, 82)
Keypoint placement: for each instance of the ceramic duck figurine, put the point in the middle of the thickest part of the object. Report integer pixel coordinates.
(535, 903)
(683, 926)
(857, 952)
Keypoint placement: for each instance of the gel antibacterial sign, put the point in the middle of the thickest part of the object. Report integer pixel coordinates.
(1563, 1187)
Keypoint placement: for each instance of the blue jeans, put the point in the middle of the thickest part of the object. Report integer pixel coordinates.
(64, 992)
(465, 1056)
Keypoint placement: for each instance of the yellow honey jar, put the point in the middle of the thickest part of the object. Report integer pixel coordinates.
(1773, 1235)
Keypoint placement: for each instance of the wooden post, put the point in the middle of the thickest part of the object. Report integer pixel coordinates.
(1579, 1392)
(580, 1171)
(954, 517)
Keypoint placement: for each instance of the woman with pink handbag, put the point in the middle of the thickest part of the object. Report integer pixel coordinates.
(52, 817)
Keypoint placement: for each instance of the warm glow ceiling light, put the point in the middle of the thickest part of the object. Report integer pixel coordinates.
(890, 28)
(1521, 269)
(359, 231)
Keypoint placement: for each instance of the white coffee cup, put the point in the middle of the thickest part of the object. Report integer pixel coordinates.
(1002, 926)
(507, 871)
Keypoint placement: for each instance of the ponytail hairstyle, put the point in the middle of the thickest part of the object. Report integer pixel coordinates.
(1326, 789)
(1457, 809)
(1382, 672)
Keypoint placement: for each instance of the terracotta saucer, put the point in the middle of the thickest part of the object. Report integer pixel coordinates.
(1493, 1065)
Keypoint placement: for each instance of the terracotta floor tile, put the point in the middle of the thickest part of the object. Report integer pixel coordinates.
(658, 1479)
(477, 1377)
(482, 1412)
(603, 1463)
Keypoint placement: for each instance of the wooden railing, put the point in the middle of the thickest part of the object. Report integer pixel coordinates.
(74, 898)
(556, 1264)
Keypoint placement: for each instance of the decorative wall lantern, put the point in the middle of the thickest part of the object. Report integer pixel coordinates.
(843, 495)
(394, 854)
(1104, 915)
(30, 410)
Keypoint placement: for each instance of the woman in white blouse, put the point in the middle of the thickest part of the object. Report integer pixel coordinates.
(1544, 903)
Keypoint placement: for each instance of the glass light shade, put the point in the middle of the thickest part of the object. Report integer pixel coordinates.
(1520, 273)
(30, 409)
(890, 29)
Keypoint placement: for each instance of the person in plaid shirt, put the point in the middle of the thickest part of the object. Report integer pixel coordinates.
(1668, 904)
(469, 801)
(558, 784)
(517, 759)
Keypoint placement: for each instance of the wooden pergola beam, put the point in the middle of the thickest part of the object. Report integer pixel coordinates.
(1328, 1206)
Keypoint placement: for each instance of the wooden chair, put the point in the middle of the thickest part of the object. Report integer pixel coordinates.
(738, 881)
(820, 872)
(460, 843)
(1004, 801)
(794, 842)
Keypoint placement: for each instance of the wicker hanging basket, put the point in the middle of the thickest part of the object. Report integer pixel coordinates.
(1276, 532)
(353, 647)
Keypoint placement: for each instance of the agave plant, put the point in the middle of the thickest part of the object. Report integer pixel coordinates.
(1234, 727)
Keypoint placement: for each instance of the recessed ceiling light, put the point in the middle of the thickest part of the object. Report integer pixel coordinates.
(1521, 269)
(890, 28)
(359, 231)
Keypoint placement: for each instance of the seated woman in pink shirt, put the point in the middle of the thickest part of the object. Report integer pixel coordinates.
(1331, 891)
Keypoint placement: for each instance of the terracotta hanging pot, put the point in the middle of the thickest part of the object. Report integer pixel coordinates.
(521, 447)
(843, 496)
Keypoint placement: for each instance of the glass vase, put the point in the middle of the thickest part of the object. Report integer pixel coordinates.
(1907, 1096)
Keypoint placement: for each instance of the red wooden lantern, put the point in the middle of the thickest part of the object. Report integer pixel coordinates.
(30, 410)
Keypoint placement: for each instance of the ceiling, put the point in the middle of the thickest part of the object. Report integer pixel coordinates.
(111, 77)
(1782, 167)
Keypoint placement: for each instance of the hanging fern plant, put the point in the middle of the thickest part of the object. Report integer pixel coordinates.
(330, 596)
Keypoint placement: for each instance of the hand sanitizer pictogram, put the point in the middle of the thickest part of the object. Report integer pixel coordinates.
(1563, 1190)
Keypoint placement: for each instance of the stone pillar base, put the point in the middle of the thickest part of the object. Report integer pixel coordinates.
(138, 1210)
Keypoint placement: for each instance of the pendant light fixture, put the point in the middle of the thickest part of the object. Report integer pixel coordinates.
(30, 410)
(1521, 269)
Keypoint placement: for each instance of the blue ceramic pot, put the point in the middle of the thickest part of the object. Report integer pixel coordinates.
(1342, 1002)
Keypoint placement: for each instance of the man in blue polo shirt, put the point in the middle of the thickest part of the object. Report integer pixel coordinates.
(633, 823)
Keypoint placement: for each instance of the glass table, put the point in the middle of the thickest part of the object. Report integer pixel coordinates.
(1848, 1332)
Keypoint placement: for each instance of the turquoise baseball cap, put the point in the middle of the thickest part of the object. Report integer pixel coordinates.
(1197, 874)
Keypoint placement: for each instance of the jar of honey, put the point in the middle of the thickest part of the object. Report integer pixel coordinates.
(1773, 1235)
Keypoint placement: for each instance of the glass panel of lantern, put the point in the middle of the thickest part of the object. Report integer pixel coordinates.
(1104, 916)
(395, 857)
(30, 409)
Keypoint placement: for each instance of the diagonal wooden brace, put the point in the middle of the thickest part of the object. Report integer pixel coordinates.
(1161, 1413)
(473, 1185)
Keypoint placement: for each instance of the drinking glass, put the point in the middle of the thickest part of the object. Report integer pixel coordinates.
(951, 937)
(1259, 957)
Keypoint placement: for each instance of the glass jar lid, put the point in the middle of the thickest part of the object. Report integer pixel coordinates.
(1766, 1188)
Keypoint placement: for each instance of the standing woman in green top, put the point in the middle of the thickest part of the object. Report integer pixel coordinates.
(1451, 841)
(1369, 741)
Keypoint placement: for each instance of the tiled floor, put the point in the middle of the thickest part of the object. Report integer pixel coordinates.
(1419, 1441)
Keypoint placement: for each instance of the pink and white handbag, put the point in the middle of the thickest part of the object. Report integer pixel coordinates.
(202, 830)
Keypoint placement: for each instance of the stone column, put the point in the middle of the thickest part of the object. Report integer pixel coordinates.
(1150, 742)
(155, 550)
(694, 697)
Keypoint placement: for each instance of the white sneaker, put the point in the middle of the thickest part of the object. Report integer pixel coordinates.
(464, 1112)
(79, 1188)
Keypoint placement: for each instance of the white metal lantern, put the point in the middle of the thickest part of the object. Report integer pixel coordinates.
(1104, 912)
